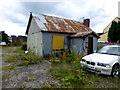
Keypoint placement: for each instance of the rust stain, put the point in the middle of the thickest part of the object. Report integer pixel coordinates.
(64, 25)
(78, 35)
(81, 34)
(56, 24)
(36, 17)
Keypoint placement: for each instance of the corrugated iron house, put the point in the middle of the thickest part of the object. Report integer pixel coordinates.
(48, 34)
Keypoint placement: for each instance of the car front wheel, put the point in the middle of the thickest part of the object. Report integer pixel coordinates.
(115, 71)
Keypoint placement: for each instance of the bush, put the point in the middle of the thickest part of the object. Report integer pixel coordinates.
(70, 75)
(65, 57)
(24, 46)
(68, 70)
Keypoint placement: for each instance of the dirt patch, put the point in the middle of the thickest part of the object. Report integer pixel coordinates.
(33, 76)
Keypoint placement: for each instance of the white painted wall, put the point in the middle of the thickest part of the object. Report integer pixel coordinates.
(34, 39)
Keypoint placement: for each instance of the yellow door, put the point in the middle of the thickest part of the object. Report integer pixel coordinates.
(58, 42)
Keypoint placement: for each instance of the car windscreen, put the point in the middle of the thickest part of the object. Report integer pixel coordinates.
(110, 50)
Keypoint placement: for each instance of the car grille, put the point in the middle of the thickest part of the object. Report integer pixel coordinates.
(91, 63)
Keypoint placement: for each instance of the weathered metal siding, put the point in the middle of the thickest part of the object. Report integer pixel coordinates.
(95, 41)
(78, 45)
(47, 42)
(34, 39)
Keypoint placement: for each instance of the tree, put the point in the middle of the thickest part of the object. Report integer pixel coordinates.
(114, 32)
(4, 37)
(118, 31)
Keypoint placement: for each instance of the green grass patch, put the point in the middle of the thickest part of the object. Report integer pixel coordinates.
(30, 79)
(18, 55)
(11, 59)
(71, 75)
(46, 86)
(12, 67)
(67, 69)
(22, 86)
(29, 59)
(4, 77)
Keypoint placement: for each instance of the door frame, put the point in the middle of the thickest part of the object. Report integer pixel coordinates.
(90, 45)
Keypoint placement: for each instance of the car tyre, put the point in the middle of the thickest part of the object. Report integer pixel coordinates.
(115, 71)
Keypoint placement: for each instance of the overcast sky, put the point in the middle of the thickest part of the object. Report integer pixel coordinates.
(15, 13)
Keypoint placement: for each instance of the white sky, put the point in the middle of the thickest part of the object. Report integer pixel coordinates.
(14, 13)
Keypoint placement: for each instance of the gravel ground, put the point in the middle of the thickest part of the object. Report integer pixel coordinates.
(33, 76)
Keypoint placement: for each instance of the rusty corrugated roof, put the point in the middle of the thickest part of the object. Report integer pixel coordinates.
(64, 25)
(81, 34)
(56, 24)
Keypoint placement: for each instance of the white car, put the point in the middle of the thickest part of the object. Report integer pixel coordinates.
(105, 61)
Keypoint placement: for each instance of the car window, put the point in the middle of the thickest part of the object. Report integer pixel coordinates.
(110, 50)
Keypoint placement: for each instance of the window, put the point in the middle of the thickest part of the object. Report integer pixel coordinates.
(58, 42)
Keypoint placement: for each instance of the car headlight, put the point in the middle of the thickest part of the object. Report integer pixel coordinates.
(103, 64)
(83, 60)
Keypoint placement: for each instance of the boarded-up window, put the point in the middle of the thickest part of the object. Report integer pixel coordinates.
(58, 42)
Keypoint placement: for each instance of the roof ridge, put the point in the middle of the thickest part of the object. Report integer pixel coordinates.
(57, 17)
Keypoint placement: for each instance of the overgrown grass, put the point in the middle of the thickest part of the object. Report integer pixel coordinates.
(29, 59)
(68, 70)
(18, 55)
(30, 79)
(4, 77)
(12, 67)
(70, 75)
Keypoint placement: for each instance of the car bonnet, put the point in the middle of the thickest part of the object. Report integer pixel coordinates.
(102, 58)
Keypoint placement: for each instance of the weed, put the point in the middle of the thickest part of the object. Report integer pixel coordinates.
(69, 71)
(96, 77)
(8, 68)
(75, 79)
(34, 86)
(22, 86)
(59, 72)
(4, 77)
(16, 73)
(66, 57)
(46, 86)
(30, 59)
(56, 61)
(11, 59)
(30, 79)
(25, 59)
(71, 75)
